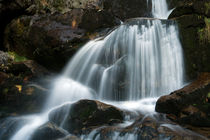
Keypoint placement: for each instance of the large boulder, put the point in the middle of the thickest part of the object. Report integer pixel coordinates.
(189, 105)
(48, 131)
(85, 114)
(193, 18)
(52, 39)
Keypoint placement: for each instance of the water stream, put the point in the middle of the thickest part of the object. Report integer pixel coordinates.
(130, 68)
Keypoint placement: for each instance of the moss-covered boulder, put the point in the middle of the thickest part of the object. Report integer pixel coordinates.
(189, 105)
(52, 39)
(85, 114)
(193, 18)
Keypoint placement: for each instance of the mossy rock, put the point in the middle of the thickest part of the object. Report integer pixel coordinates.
(194, 28)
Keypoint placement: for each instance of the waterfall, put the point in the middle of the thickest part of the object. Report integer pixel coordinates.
(141, 58)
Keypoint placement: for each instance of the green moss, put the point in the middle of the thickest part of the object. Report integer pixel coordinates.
(16, 57)
(208, 95)
(207, 7)
(5, 91)
(204, 33)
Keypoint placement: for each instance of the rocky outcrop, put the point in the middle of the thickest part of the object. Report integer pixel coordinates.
(52, 39)
(48, 131)
(193, 18)
(189, 105)
(20, 91)
(85, 114)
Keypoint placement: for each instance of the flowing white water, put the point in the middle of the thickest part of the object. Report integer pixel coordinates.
(141, 58)
(160, 9)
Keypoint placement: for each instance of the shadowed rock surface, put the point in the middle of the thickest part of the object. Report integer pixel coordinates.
(52, 39)
(189, 105)
(48, 131)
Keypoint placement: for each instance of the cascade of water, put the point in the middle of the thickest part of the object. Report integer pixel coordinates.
(160, 9)
(141, 58)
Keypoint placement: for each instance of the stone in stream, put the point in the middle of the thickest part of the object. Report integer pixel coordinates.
(48, 131)
(147, 128)
(85, 114)
(189, 105)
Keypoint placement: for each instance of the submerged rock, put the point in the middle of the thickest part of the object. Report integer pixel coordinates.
(189, 105)
(146, 128)
(85, 114)
(48, 131)
(70, 137)
(52, 39)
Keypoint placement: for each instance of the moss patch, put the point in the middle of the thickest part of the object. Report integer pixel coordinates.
(16, 57)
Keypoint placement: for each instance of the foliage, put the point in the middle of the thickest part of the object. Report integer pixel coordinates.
(16, 57)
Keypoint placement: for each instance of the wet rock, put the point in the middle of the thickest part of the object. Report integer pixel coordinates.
(85, 114)
(175, 132)
(146, 128)
(193, 18)
(52, 39)
(48, 131)
(20, 91)
(189, 105)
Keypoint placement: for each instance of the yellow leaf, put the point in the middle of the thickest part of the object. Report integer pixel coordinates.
(19, 87)
(74, 23)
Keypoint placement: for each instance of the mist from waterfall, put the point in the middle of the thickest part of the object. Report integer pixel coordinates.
(142, 58)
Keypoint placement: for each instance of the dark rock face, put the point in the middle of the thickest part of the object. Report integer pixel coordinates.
(48, 131)
(52, 39)
(124, 9)
(20, 91)
(189, 105)
(86, 114)
(193, 18)
(10, 9)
